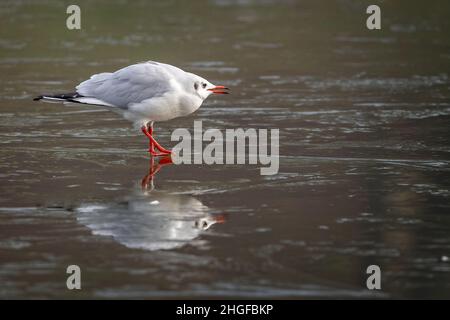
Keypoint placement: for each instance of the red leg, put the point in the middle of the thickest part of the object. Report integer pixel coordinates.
(150, 143)
(158, 146)
(154, 143)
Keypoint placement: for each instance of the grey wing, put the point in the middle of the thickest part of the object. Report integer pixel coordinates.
(129, 85)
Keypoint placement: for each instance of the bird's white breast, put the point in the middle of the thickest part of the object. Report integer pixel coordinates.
(171, 105)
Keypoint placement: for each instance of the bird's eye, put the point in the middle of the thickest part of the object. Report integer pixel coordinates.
(196, 86)
(204, 85)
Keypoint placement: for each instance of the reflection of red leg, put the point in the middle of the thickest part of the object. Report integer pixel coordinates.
(153, 143)
(153, 170)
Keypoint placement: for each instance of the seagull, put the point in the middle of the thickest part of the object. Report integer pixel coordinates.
(144, 93)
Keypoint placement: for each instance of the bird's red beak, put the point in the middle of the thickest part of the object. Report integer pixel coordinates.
(219, 90)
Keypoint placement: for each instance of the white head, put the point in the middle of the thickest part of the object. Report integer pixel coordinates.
(203, 88)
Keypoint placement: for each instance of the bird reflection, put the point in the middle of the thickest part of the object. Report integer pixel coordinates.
(149, 219)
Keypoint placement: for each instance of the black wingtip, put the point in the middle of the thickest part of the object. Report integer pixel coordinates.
(38, 98)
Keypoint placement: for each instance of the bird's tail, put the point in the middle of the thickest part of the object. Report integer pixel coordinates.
(73, 97)
(58, 97)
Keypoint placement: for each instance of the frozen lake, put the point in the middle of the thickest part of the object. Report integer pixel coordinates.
(364, 175)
